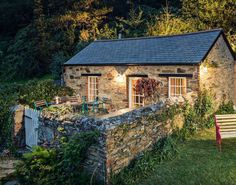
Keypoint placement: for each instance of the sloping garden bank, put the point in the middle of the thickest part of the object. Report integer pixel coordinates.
(156, 166)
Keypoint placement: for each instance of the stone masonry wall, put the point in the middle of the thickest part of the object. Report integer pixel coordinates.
(126, 141)
(123, 136)
(19, 129)
(217, 72)
(118, 91)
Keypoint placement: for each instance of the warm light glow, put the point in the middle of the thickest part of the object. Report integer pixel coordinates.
(57, 98)
(120, 78)
(204, 69)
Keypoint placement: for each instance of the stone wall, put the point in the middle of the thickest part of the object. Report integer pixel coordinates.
(217, 72)
(118, 91)
(123, 136)
(19, 129)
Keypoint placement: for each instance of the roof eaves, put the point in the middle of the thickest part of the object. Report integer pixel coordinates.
(140, 64)
(227, 43)
(208, 51)
(163, 36)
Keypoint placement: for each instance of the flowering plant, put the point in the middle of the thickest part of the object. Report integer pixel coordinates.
(148, 87)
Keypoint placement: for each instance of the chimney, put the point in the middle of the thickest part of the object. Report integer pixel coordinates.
(119, 36)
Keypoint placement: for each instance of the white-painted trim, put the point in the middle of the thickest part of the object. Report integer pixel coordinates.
(89, 83)
(131, 91)
(169, 87)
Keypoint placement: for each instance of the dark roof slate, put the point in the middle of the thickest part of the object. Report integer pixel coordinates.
(181, 49)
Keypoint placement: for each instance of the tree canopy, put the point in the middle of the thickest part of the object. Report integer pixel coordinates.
(37, 36)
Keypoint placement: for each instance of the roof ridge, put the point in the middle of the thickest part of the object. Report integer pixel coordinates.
(161, 36)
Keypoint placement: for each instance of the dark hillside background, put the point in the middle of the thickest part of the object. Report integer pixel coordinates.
(37, 36)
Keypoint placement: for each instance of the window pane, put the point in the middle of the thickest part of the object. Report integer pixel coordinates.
(177, 86)
(92, 88)
(172, 91)
(177, 91)
(177, 81)
(183, 90)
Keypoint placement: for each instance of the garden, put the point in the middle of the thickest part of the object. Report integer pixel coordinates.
(189, 153)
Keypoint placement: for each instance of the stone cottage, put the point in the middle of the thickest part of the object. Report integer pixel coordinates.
(184, 64)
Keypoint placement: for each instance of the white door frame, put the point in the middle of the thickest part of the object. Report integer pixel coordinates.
(131, 91)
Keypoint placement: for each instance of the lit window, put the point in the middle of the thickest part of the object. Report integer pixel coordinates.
(177, 86)
(92, 88)
(136, 99)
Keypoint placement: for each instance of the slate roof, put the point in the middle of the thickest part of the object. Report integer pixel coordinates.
(186, 49)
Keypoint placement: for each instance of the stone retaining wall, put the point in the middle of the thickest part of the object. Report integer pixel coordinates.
(123, 136)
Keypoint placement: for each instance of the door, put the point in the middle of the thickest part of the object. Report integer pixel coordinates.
(135, 100)
(31, 119)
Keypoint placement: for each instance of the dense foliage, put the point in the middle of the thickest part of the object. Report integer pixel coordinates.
(41, 90)
(11, 94)
(57, 166)
(6, 120)
(34, 90)
(37, 36)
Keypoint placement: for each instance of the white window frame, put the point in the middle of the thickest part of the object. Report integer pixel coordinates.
(133, 95)
(92, 82)
(184, 79)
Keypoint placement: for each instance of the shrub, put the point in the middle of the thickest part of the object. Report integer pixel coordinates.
(35, 90)
(226, 108)
(6, 121)
(57, 60)
(41, 90)
(57, 166)
(204, 105)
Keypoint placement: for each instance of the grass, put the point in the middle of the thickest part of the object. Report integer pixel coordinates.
(197, 163)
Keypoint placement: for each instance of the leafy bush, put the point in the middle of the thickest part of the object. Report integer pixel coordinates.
(41, 90)
(35, 90)
(199, 115)
(226, 108)
(21, 57)
(57, 166)
(203, 106)
(6, 121)
(11, 94)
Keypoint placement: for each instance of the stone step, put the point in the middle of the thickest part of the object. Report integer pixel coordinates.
(7, 167)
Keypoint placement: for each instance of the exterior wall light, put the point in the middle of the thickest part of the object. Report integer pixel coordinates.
(120, 78)
(204, 69)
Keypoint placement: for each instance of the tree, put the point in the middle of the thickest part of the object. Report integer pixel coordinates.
(85, 18)
(134, 25)
(20, 60)
(167, 23)
(15, 14)
(42, 37)
(213, 14)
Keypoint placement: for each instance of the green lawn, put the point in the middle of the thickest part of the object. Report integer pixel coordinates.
(198, 163)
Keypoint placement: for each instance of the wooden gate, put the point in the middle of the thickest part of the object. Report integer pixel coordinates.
(31, 119)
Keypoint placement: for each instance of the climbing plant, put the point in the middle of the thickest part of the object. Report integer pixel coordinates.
(149, 88)
(6, 121)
